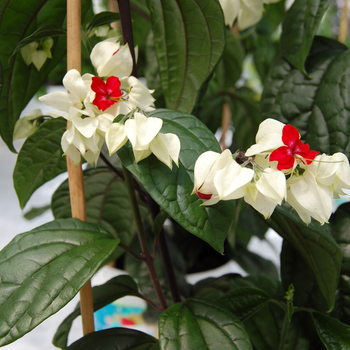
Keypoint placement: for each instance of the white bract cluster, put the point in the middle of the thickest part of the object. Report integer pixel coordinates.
(278, 167)
(246, 12)
(37, 52)
(91, 104)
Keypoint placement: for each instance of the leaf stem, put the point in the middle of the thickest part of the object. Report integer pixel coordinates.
(131, 252)
(146, 255)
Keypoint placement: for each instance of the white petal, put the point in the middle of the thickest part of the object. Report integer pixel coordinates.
(231, 10)
(166, 147)
(142, 130)
(342, 180)
(139, 96)
(27, 52)
(272, 184)
(59, 100)
(86, 126)
(102, 52)
(139, 155)
(202, 167)
(74, 83)
(70, 151)
(268, 137)
(232, 181)
(119, 64)
(115, 137)
(260, 203)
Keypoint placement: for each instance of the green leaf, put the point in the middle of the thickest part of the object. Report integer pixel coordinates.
(318, 108)
(43, 32)
(334, 334)
(316, 246)
(172, 189)
(40, 159)
(340, 224)
(190, 38)
(43, 269)
(102, 19)
(116, 338)
(107, 204)
(299, 28)
(35, 212)
(20, 82)
(244, 302)
(294, 270)
(201, 324)
(103, 295)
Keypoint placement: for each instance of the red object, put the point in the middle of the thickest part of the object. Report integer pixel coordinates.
(203, 196)
(127, 322)
(107, 93)
(286, 155)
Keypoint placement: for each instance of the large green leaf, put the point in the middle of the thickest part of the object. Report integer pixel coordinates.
(40, 159)
(340, 223)
(172, 189)
(107, 204)
(18, 20)
(116, 338)
(103, 295)
(334, 334)
(316, 246)
(295, 271)
(201, 324)
(299, 28)
(318, 107)
(244, 302)
(43, 269)
(190, 38)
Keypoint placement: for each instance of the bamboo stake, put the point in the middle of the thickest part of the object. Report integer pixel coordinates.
(75, 174)
(343, 27)
(225, 124)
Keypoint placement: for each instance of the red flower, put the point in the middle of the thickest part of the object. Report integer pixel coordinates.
(107, 93)
(293, 149)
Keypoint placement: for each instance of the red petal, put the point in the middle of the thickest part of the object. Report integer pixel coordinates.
(310, 156)
(290, 135)
(98, 86)
(204, 196)
(113, 87)
(284, 156)
(301, 148)
(102, 102)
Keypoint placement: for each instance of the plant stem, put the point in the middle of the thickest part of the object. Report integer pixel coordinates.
(146, 255)
(165, 255)
(284, 331)
(131, 252)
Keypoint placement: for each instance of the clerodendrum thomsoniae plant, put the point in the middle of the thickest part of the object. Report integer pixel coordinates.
(153, 156)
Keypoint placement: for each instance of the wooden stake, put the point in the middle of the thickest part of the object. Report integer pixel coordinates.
(343, 27)
(225, 124)
(75, 174)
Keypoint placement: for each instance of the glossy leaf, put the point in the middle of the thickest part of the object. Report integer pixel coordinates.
(201, 324)
(36, 211)
(294, 270)
(116, 338)
(244, 302)
(316, 246)
(188, 50)
(20, 82)
(107, 204)
(103, 295)
(334, 334)
(40, 159)
(299, 28)
(172, 189)
(102, 19)
(317, 107)
(43, 269)
(340, 223)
